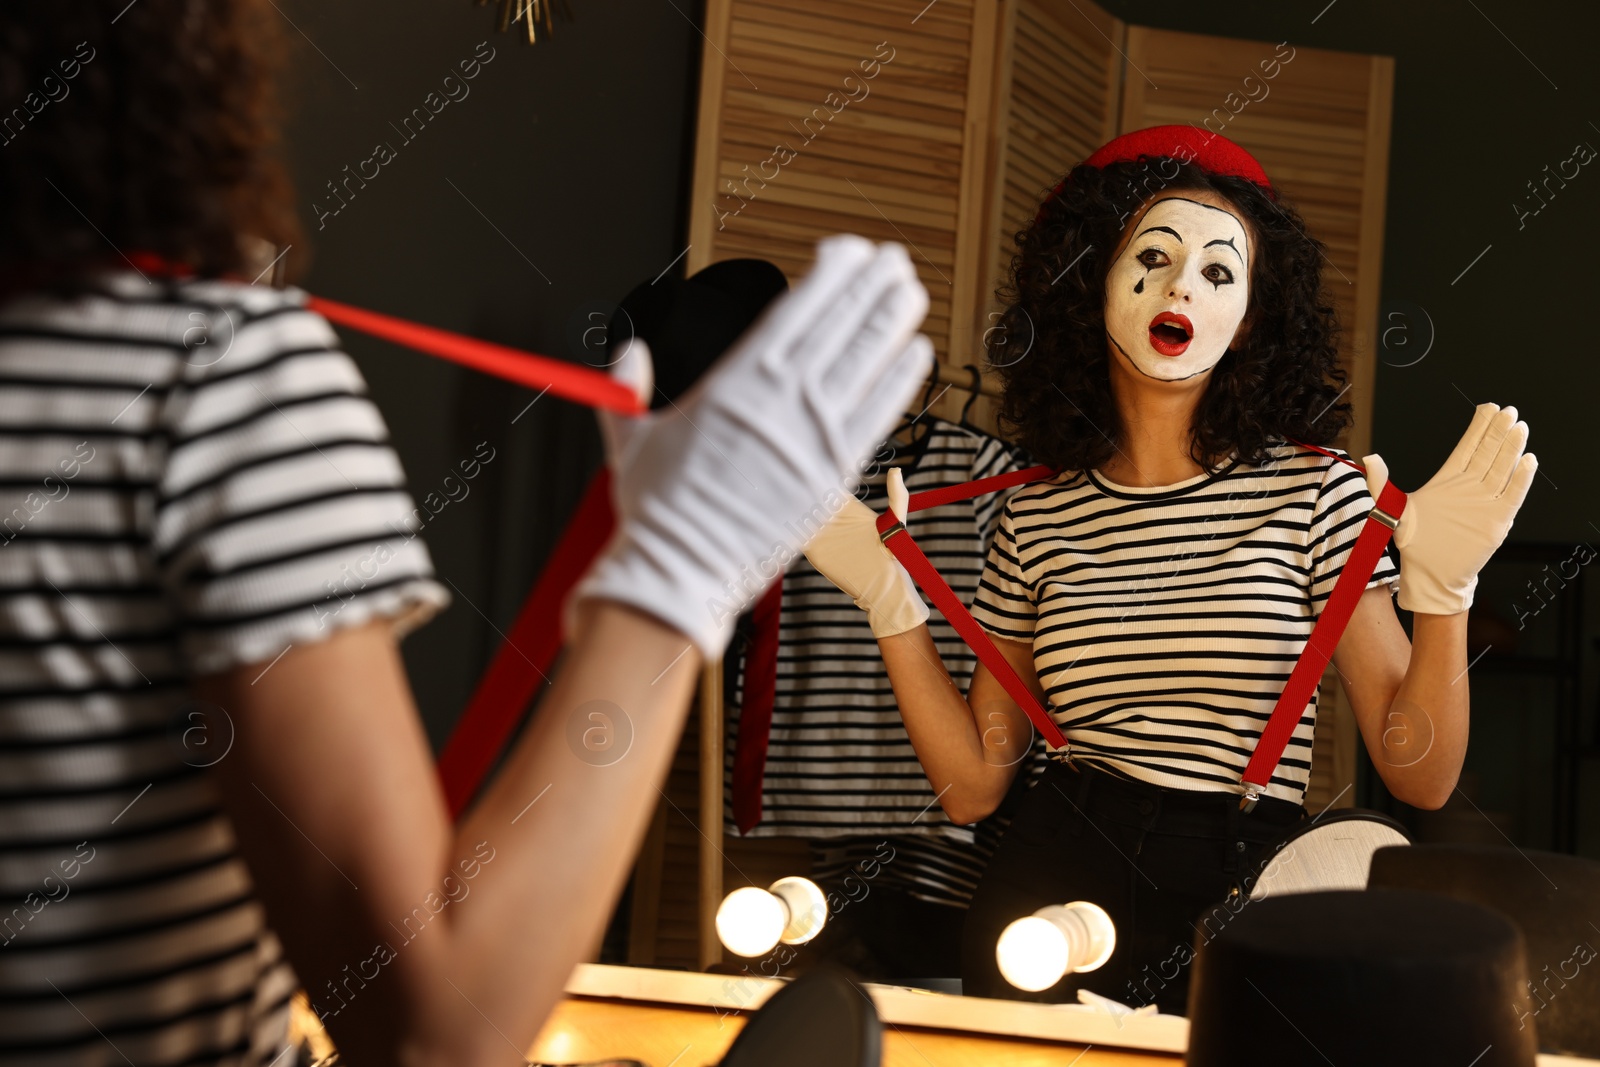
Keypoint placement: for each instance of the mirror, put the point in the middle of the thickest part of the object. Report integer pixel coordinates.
(809, 124)
(864, 123)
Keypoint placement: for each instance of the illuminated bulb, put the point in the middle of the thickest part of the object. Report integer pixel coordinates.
(752, 920)
(807, 908)
(1035, 952)
(1032, 954)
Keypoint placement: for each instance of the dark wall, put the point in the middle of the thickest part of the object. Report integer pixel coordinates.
(554, 185)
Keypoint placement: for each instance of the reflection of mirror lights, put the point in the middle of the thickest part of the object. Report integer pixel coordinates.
(752, 920)
(1035, 952)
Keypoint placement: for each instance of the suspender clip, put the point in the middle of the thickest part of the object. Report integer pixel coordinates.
(1383, 517)
(1247, 803)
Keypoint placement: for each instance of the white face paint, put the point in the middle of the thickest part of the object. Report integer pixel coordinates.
(1177, 293)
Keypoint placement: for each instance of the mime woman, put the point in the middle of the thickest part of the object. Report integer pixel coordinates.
(1156, 593)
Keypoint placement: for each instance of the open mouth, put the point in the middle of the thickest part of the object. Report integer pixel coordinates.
(1170, 333)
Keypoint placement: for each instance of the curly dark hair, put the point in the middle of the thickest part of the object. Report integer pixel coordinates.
(138, 127)
(1283, 381)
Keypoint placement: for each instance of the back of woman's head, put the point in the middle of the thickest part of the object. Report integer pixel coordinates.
(143, 127)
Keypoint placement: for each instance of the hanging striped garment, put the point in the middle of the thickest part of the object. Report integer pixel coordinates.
(840, 768)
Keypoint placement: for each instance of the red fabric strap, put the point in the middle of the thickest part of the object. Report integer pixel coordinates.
(583, 384)
(949, 494)
(586, 385)
(1330, 626)
(755, 712)
(527, 652)
(950, 606)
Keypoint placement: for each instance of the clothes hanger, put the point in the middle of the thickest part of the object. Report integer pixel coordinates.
(913, 417)
(972, 397)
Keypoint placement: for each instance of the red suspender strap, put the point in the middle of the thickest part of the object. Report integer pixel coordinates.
(519, 665)
(586, 385)
(899, 541)
(949, 494)
(755, 713)
(1325, 635)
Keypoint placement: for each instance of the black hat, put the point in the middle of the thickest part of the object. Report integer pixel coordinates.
(1554, 899)
(821, 1019)
(689, 322)
(1376, 976)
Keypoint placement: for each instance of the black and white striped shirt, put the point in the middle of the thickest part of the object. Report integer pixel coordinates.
(840, 768)
(1165, 621)
(191, 478)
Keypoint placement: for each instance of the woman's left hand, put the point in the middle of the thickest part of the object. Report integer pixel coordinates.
(1454, 523)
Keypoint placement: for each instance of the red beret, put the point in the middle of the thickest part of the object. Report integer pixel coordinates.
(1214, 153)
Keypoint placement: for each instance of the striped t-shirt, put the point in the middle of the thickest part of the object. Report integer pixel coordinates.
(191, 478)
(1165, 621)
(840, 767)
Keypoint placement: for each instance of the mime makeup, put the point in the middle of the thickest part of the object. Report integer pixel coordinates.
(1179, 290)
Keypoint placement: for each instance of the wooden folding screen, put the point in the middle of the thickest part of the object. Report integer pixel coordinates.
(940, 125)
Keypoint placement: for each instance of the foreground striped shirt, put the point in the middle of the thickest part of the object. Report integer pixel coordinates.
(1165, 621)
(840, 768)
(191, 478)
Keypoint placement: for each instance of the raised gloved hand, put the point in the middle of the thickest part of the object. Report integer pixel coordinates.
(1453, 524)
(715, 495)
(849, 553)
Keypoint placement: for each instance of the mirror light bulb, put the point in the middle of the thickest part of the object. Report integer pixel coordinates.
(807, 906)
(752, 920)
(1036, 951)
(1032, 954)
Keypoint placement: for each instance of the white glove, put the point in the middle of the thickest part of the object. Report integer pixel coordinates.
(849, 553)
(718, 493)
(1453, 524)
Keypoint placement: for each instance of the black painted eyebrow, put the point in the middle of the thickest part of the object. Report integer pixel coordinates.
(1229, 243)
(1164, 229)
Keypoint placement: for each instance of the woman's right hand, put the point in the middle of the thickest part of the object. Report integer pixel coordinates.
(849, 553)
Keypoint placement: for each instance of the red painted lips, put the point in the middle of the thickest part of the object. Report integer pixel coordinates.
(1170, 333)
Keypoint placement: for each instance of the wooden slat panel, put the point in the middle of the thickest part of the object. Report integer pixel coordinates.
(888, 163)
(944, 27)
(644, 923)
(1333, 758)
(678, 904)
(1056, 101)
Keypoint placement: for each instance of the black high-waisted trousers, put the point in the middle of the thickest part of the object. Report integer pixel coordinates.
(1171, 867)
